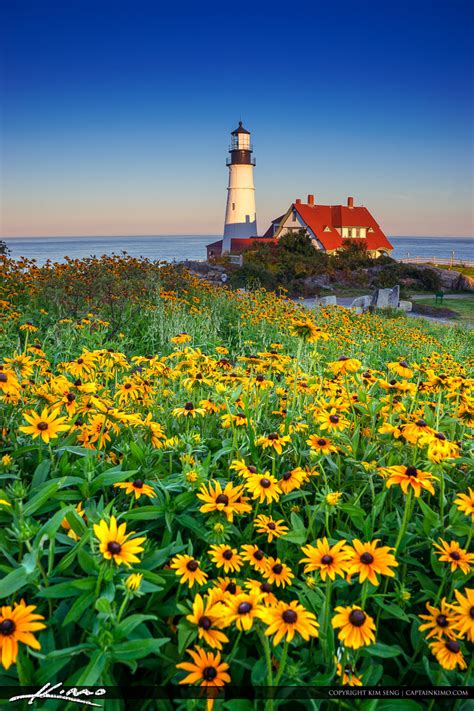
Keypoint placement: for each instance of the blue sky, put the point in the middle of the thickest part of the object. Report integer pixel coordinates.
(116, 115)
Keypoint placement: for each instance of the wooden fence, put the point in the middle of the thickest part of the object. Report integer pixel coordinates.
(438, 261)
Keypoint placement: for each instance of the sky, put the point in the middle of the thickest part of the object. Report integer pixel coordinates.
(116, 115)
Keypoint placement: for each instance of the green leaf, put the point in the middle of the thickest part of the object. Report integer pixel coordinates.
(41, 474)
(50, 527)
(137, 649)
(92, 672)
(41, 497)
(71, 588)
(384, 650)
(110, 477)
(82, 604)
(392, 610)
(103, 605)
(130, 623)
(13, 582)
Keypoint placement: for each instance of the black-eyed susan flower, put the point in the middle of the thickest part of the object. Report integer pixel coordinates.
(224, 587)
(345, 365)
(357, 628)
(134, 581)
(464, 613)
(188, 410)
(292, 479)
(439, 621)
(448, 653)
(255, 556)
(401, 368)
(367, 560)
(272, 528)
(455, 555)
(136, 488)
(327, 559)
(17, 624)
(263, 589)
(307, 330)
(465, 503)
(278, 573)
(273, 441)
(242, 609)
(116, 544)
(223, 556)
(332, 420)
(227, 500)
(209, 617)
(406, 477)
(349, 677)
(188, 568)
(206, 668)
(321, 445)
(414, 430)
(47, 425)
(263, 487)
(332, 499)
(285, 619)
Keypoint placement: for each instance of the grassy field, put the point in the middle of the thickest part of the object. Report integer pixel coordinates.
(462, 305)
(222, 489)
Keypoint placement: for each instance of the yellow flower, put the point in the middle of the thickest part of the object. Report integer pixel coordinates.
(465, 503)
(328, 560)
(464, 613)
(357, 628)
(285, 619)
(406, 477)
(137, 488)
(134, 581)
(455, 555)
(17, 625)
(6, 460)
(242, 609)
(349, 677)
(278, 573)
(333, 498)
(448, 653)
(367, 560)
(206, 668)
(321, 444)
(263, 487)
(439, 621)
(116, 544)
(345, 365)
(401, 368)
(274, 441)
(47, 425)
(273, 529)
(223, 556)
(209, 616)
(188, 568)
(229, 500)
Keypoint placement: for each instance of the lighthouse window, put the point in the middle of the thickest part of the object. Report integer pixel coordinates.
(233, 205)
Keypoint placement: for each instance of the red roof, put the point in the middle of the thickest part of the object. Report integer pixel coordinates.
(319, 217)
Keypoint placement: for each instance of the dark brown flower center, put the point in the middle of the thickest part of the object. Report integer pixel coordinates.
(290, 617)
(7, 627)
(227, 554)
(442, 621)
(271, 526)
(70, 397)
(420, 423)
(327, 559)
(209, 673)
(42, 426)
(244, 608)
(334, 419)
(287, 475)
(403, 363)
(80, 361)
(252, 469)
(411, 471)
(127, 386)
(3, 378)
(138, 484)
(440, 436)
(205, 622)
(265, 482)
(265, 587)
(259, 555)
(343, 358)
(277, 568)
(453, 646)
(273, 436)
(114, 547)
(322, 442)
(455, 555)
(471, 613)
(231, 588)
(367, 558)
(357, 618)
(222, 499)
(192, 565)
(189, 406)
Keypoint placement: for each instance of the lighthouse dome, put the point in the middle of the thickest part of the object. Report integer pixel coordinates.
(240, 129)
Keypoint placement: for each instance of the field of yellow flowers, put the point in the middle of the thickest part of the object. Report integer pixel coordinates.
(207, 487)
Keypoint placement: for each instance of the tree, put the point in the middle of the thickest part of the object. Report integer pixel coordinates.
(4, 251)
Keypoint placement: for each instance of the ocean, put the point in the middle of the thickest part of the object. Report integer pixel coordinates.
(181, 247)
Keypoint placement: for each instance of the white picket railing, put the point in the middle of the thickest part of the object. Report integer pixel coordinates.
(438, 261)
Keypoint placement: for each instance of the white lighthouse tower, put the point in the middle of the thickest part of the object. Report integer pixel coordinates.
(240, 214)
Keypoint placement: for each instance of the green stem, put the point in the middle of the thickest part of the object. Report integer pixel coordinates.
(122, 606)
(268, 659)
(406, 516)
(282, 663)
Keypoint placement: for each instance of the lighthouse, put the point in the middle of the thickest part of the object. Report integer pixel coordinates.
(240, 214)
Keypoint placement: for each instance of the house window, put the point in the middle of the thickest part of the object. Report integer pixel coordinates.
(294, 216)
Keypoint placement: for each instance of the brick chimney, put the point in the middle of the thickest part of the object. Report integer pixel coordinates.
(311, 200)
(350, 202)
(298, 201)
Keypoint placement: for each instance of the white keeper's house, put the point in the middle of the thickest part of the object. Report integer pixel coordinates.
(328, 226)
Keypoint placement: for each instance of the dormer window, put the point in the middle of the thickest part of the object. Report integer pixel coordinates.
(371, 229)
(327, 229)
(295, 218)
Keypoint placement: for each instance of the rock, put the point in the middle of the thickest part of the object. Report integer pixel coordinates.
(362, 302)
(325, 301)
(386, 298)
(357, 309)
(467, 283)
(317, 282)
(405, 306)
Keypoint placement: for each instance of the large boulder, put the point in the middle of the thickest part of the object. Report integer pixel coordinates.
(405, 306)
(362, 302)
(325, 301)
(386, 298)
